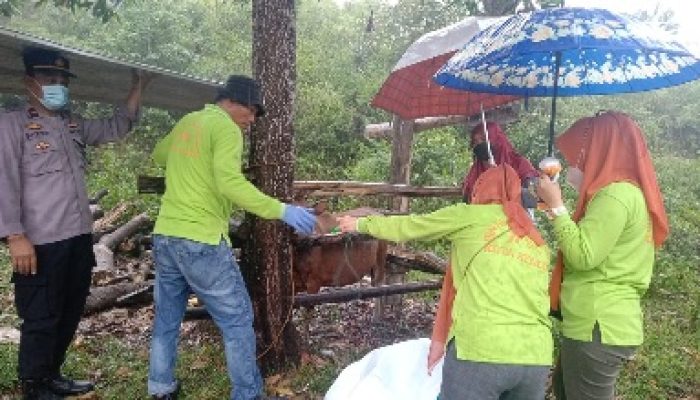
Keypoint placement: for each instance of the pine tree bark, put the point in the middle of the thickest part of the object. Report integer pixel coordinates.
(271, 161)
(500, 7)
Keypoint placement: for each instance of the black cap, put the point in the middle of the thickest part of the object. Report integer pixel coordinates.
(37, 59)
(242, 90)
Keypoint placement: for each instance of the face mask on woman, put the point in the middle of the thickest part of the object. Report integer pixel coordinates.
(574, 177)
(481, 151)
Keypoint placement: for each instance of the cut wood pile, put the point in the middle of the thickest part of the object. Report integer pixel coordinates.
(124, 267)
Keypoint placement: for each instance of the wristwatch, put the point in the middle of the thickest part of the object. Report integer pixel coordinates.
(557, 211)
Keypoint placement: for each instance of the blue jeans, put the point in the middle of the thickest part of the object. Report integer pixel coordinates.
(211, 272)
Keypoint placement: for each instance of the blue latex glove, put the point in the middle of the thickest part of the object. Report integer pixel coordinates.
(299, 218)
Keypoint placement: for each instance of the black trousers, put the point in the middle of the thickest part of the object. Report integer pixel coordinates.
(50, 304)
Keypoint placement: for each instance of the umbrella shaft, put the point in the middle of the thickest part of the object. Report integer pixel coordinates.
(557, 64)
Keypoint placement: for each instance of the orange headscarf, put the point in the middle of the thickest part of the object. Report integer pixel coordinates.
(609, 148)
(501, 184)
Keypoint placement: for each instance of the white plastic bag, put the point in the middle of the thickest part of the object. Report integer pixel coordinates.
(393, 372)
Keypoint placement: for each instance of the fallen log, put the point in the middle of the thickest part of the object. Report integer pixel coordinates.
(104, 297)
(138, 296)
(96, 211)
(104, 249)
(113, 239)
(422, 261)
(111, 217)
(98, 196)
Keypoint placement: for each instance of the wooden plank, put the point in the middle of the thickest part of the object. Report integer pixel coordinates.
(335, 188)
(340, 296)
(503, 116)
(346, 295)
(156, 184)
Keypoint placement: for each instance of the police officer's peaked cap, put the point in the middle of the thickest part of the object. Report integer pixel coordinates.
(243, 90)
(37, 59)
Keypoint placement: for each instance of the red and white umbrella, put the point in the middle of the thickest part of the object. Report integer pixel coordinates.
(410, 91)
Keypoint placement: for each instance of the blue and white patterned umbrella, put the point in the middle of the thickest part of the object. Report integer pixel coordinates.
(569, 52)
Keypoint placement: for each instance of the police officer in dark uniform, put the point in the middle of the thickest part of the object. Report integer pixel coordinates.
(44, 215)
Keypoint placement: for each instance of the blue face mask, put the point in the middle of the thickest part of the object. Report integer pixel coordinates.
(55, 97)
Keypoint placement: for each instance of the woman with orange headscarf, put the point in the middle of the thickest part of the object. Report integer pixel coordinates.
(607, 250)
(500, 343)
(503, 154)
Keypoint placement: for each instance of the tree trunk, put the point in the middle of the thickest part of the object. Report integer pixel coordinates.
(500, 7)
(268, 254)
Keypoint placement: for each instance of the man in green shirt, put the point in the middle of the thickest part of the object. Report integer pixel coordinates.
(204, 181)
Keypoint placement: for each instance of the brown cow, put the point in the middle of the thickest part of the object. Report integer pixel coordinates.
(339, 262)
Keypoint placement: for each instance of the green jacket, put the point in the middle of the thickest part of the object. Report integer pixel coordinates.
(203, 178)
(608, 259)
(500, 313)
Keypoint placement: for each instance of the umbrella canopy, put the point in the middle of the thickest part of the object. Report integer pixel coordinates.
(410, 92)
(569, 52)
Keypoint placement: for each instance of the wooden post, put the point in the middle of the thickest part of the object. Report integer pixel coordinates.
(267, 259)
(401, 156)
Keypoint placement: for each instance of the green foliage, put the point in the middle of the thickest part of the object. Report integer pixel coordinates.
(103, 10)
(9, 7)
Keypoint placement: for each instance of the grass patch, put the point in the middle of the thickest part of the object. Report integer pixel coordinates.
(667, 365)
(121, 371)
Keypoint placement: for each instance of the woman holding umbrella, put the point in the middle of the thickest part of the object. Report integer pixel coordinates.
(607, 250)
(503, 153)
(500, 343)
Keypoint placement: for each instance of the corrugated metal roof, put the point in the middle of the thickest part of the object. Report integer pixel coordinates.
(104, 78)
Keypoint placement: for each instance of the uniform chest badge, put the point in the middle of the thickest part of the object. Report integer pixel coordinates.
(42, 145)
(34, 126)
(32, 113)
